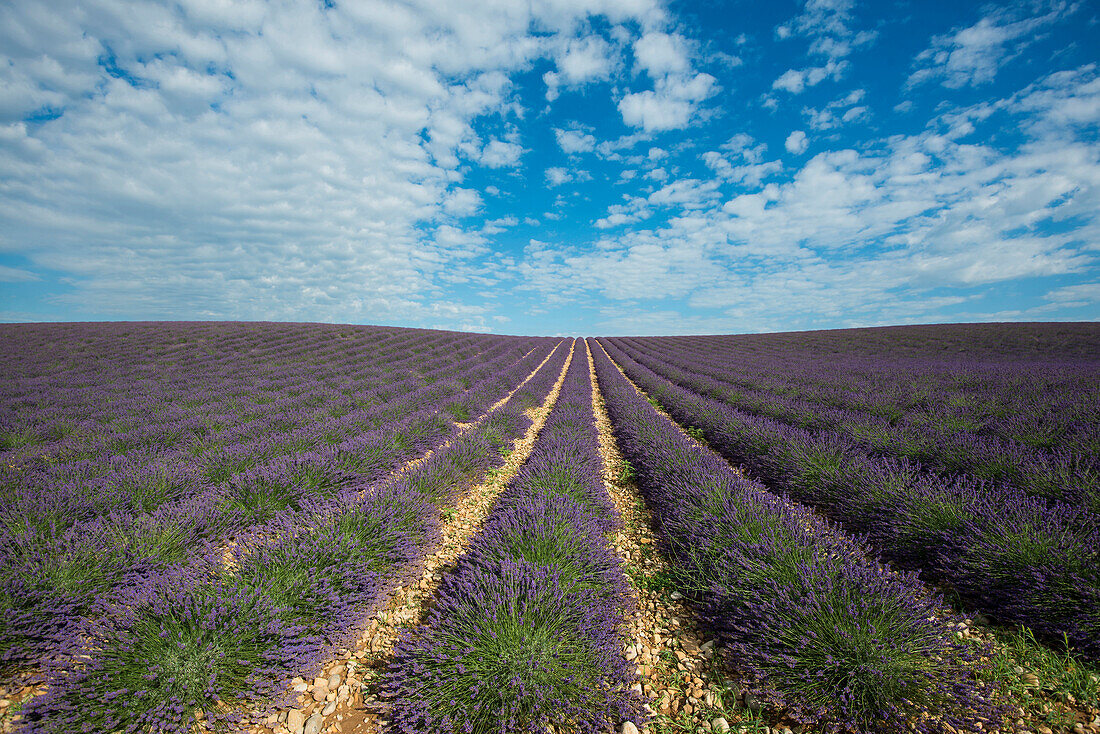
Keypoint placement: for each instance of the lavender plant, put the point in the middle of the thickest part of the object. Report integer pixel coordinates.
(173, 649)
(949, 529)
(527, 631)
(826, 631)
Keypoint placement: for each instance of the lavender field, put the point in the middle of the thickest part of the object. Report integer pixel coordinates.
(304, 528)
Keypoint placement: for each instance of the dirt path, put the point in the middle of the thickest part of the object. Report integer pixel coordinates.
(355, 708)
(676, 659)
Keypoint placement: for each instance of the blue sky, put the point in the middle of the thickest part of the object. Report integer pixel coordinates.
(553, 167)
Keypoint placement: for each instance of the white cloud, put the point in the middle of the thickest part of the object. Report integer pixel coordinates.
(272, 160)
(829, 26)
(796, 81)
(557, 176)
(842, 111)
(579, 61)
(661, 54)
(575, 141)
(796, 142)
(866, 236)
(670, 106)
(500, 154)
(9, 274)
(1075, 296)
(972, 56)
(677, 89)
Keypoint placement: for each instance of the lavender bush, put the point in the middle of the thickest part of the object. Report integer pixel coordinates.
(528, 630)
(169, 648)
(948, 529)
(1029, 422)
(309, 447)
(826, 631)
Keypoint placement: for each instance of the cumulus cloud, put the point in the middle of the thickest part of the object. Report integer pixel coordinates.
(796, 142)
(677, 89)
(866, 236)
(972, 56)
(575, 141)
(829, 26)
(796, 81)
(661, 54)
(500, 154)
(579, 61)
(670, 105)
(270, 160)
(557, 176)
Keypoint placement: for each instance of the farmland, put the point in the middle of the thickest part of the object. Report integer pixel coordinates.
(303, 528)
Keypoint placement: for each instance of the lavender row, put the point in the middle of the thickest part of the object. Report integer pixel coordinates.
(288, 413)
(226, 641)
(57, 390)
(1015, 557)
(51, 578)
(527, 630)
(825, 632)
(291, 412)
(91, 487)
(1030, 383)
(1062, 474)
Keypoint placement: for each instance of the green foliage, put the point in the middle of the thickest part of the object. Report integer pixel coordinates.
(1063, 676)
(458, 411)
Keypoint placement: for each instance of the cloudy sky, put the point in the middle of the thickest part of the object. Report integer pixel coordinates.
(553, 166)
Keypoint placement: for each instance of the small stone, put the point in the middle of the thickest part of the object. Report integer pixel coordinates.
(334, 681)
(320, 690)
(295, 721)
(328, 709)
(1030, 680)
(676, 596)
(719, 724)
(628, 728)
(752, 703)
(313, 725)
(981, 620)
(1079, 728)
(1044, 730)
